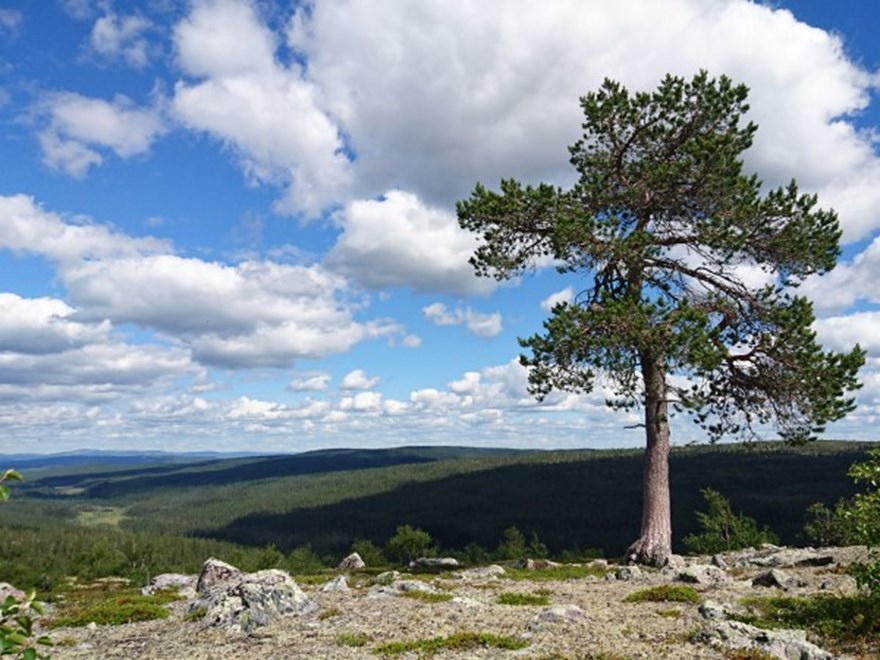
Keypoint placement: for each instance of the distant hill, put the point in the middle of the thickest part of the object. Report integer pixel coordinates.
(573, 500)
(96, 457)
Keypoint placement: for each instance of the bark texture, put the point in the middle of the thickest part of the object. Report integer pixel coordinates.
(654, 544)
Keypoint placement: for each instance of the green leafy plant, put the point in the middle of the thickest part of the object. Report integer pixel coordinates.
(9, 475)
(16, 623)
(724, 530)
(17, 628)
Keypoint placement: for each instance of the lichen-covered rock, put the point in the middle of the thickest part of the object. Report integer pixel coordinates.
(631, 572)
(482, 572)
(338, 583)
(561, 614)
(434, 562)
(703, 574)
(784, 644)
(244, 601)
(216, 572)
(777, 578)
(352, 563)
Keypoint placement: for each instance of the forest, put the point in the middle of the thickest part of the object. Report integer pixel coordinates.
(306, 511)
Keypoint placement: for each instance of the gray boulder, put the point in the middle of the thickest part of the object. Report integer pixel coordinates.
(561, 614)
(631, 572)
(240, 602)
(434, 562)
(215, 572)
(352, 563)
(786, 644)
(339, 583)
(777, 578)
(703, 574)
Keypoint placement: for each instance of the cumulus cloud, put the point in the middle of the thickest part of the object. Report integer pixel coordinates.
(482, 325)
(357, 380)
(317, 381)
(268, 113)
(564, 296)
(498, 87)
(251, 314)
(841, 333)
(121, 38)
(78, 127)
(848, 283)
(398, 241)
(44, 325)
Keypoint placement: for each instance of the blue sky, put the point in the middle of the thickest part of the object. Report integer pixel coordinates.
(230, 225)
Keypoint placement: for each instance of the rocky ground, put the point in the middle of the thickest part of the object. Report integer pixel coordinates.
(264, 615)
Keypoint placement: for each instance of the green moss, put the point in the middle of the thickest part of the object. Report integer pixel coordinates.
(564, 572)
(114, 611)
(464, 641)
(355, 640)
(428, 596)
(510, 598)
(665, 593)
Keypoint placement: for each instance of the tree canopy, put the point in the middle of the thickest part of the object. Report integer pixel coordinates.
(669, 235)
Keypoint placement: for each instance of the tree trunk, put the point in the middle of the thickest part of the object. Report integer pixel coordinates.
(654, 544)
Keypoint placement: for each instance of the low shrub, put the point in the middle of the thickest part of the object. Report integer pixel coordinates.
(723, 530)
(511, 598)
(665, 593)
(464, 641)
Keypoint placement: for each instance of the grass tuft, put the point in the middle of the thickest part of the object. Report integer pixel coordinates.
(665, 593)
(428, 596)
(354, 640)
(464, 641)
(510, 598)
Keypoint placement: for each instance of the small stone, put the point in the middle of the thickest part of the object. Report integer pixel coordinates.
(777, 578)
(561, 613)
(351, 563)
(434, 562)
(628, 573)
(339, 583)
(703, 574)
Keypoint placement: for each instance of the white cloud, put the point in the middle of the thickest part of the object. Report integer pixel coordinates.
(77, 126)
(482, 325)
(564, 296)
(268, 314)
(412, 341)
(357, 380)
(398, 241)
(848, 283)
(270, 114)
(79, 9)
(116, 37)
(310, 382)
(44, 325)
(362, 402)
(25, 227)
(841, 333)
(10, 19)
